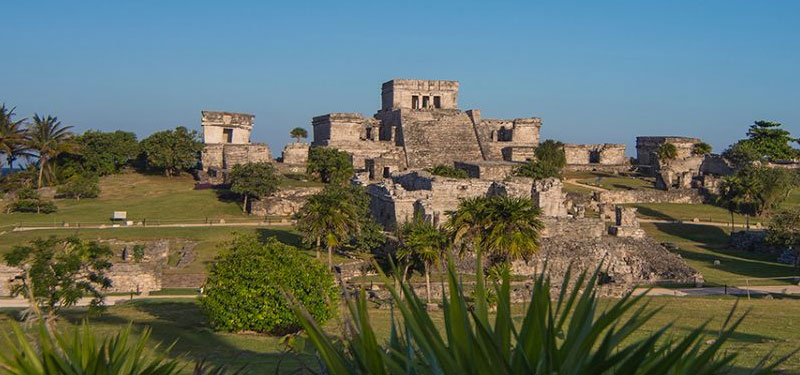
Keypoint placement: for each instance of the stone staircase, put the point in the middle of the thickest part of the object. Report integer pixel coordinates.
(439, 136)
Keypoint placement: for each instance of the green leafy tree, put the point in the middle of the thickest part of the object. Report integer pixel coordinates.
(172, 150)
(784, 230)
(742, 155)
(770, 141)
(512, 229)
(102, 153)
(550, 161)
(13, 136)
(571, 334)
(80, 186)
(49, 139)
(29, 200)
(667, 151)
(256, 180)
(298, 133)
(447, 171)
(422, 242)
(701, 148)
(467, 223)
(56, 273)
(328, 217)
(247, 284)
(329, 165)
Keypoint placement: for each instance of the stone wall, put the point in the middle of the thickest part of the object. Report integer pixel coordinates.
(225, 156)
(647, 147)
(295, 153)
(572, 228)
(217, 125)
(648, 196)
(548, 196)
(488, 170)
(602, 154)
(419, 94)
(283, 203)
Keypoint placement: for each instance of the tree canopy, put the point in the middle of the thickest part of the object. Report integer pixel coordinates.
(298, 133)
(256, 180)
(102, 153)
(172, 150)
(550, 161)
(447, 171)
(329, 165)
(765, 141)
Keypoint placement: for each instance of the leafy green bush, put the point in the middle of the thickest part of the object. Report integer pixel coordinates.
(448, 171)
(701, 148)
(567, 335)
(79, 186)
(172, 150)
(329, 165)
(33, 206)
(550, 160)
(667, 151)
(245, 287)
(257, 180)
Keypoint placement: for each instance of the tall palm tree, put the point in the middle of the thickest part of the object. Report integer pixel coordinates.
(424, 242)
(330, 217)
(513, 227)
(467, 223)
(12, 136)
(49, 139)
(727, 197)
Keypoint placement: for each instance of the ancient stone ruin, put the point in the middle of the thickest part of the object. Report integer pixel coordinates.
(227, 143)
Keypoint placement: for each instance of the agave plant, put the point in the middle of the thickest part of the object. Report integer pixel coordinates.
(79, 352)
(566, 335)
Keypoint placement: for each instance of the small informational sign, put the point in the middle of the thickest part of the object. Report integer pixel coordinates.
(119, 215)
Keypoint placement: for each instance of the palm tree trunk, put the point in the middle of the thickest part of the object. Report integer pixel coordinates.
(42, 162)
(747, 221)
(330, 257)
(428, 280)
(318, 239)
(244, 205)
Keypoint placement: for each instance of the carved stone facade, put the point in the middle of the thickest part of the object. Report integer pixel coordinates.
(605, 157)
(419, 125)
(627, 225)
(548, 196)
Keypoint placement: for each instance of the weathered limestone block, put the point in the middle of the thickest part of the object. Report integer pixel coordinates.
(7, 279)
(285, 202)
(648, 196)
(548, 196)
(627, 223)
(295, 153)
(602, 154)
(572, 228)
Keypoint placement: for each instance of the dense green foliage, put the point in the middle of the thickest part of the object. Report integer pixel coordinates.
(765, 141)
(246, 285)
(172, 150)
(101, 154)
(566, 335)
(550, 161)
(784, 229)
(13, 136)
(667, 151)
(29, 200)
(330, 218)
(80, 352)
(329, 165)
(506, 227)
(752, 191)
(701, 148)
(58, 272)
(448, 171)
(298, 133)
(49, 139)
(256, 180)
(79, 186)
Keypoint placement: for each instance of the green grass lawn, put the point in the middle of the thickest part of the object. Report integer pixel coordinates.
(701, 245)
(610, 181)
(144, 197)
(768, 326)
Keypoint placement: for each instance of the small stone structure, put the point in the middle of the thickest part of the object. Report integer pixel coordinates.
(488, 170)
(627, 225)
(604, 157)
(284, 203)
(419, 126)
(295, 153)
(227, 143)
(548, 196)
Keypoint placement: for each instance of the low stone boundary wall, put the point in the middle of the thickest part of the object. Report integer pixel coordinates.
(649, 196)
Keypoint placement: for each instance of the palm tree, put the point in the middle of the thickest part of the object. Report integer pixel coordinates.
(12, 136)
(467, 223)
(49, 139)
(513, 227)
(425, 243)
(727, 197)
(330, 217)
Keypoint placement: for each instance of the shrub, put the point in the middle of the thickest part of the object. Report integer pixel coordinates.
(79, 186)
(701, 148)
(172, 150)
(257, 180)
(246, 285)
(550, 160)
(33, 206)
(329, 165)
(448, 171)
(667, 151)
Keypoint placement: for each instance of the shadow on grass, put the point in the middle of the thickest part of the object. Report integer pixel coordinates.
(654, 214)
(286, 236)
(714, 244)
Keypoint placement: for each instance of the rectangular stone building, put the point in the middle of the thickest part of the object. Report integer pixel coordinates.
(227, 142)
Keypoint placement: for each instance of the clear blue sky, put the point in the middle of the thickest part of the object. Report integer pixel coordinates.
(601, 71)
